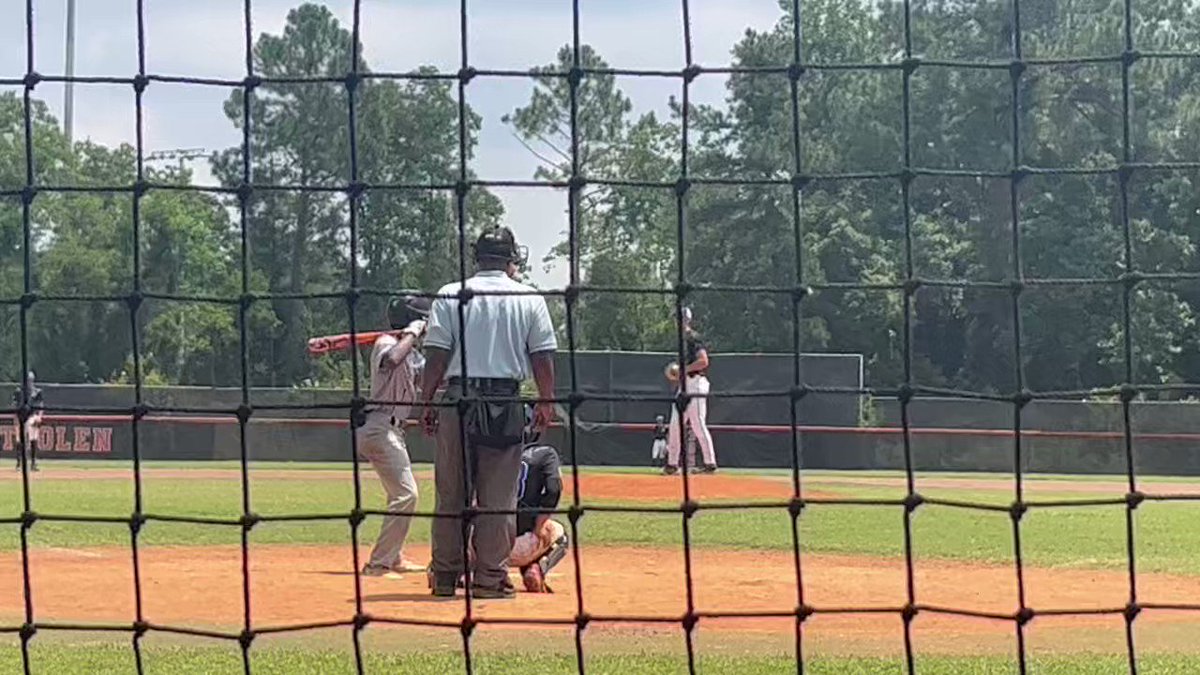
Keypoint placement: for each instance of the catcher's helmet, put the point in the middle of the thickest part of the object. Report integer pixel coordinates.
(403, 310)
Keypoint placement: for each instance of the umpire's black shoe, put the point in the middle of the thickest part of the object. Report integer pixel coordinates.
(502, 592)
(442, 585)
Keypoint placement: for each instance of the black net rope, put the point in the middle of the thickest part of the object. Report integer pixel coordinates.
(798, 182)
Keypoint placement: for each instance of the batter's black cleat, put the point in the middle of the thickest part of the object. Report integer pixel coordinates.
(670, 470)
(708, 468)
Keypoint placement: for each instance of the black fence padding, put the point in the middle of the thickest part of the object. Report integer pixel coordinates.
(641, 374)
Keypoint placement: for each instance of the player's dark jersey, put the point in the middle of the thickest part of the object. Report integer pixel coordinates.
(692, 346)
(660, 431)
(541, 484)
(36, 400)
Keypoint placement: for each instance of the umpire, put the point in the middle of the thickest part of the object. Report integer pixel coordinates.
(507, 337)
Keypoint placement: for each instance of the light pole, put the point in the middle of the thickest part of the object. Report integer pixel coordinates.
(69, 71)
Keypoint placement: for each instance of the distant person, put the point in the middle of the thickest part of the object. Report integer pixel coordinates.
(33, 423)
(695, 382)
(395, 364)
(505, 336)
(658, 451)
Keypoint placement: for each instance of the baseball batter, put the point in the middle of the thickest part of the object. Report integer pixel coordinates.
(395, 363)
(541, 541)
(695, 381)
(33, 423)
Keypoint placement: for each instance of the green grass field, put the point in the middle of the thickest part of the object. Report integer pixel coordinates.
(1076, 537)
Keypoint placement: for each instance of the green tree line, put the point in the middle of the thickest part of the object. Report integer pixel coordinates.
(1071, 226)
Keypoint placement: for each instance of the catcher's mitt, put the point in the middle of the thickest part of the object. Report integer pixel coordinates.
(672, 372)
(535, 580)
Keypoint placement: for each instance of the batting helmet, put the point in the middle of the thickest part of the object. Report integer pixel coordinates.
(403, 310)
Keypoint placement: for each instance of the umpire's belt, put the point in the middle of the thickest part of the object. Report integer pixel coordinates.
(493, 386)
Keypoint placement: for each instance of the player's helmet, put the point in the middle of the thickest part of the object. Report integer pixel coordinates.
(404, 309)
(529, 435)
(499, 244)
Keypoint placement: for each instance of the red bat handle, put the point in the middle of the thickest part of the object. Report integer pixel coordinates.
(336, 343)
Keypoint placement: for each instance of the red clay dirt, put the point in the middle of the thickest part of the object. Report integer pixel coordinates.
(202, 587)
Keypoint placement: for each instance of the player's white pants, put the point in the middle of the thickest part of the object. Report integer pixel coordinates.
(697, 418)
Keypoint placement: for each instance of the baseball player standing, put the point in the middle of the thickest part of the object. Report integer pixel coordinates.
(395, 363)
(33, 423)
(504, 335)
(695, 382)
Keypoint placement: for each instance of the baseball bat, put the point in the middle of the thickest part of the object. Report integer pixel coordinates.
(336, 343)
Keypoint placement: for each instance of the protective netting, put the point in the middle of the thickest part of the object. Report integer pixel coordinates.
(799, 180)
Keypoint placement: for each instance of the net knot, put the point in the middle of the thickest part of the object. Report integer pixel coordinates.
(799, 293)
(27, 300)
(352, 81)
(911, 286)
(465, 75)
(1024, 616)
(468, 626)
(32, 79)
(461, 188)
(799, 391)
(140, 628)
(571, 293)
(1017, 510)
(1124, 173)
(795, 71)
(907, 176)
(136, 521)
(246, 638)
(245, 300)
(245, 191)
(1131, 611)
(140, 188)
(910, 64)
(912, 501)
(575, 513)
(470, 513)
(795, 507)
(357, 516)
(800, 181)
(576, 183)
(574, 76)
(251, 82)
(909, 612)
(905, 394)
(140, 411)
(1128, 393)
(27, 632)
(682, 186)
(1019, 174)
(575, 399)
(1131, 279)
(803, 612)
(689, 508)
(28, 518)
(356, 189)
(689, 621)
(582, 620)
(683, 289)
(1130, 57)
(140, 82)
(352, 296)
(358, 411)
(134, 300)
(361, 621)
(28, 193)
(1134, 499)
(244, 411)
(1022, 398)
(249, 520)
(1016, 68)
(691, 73)
(1016, 287)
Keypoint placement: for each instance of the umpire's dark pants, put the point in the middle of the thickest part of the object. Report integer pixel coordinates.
(495, 477)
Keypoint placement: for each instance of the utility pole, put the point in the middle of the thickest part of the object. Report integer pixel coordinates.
(69, 71)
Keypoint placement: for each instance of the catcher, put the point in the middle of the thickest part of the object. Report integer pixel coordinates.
(33, 423)
(395, 363)
(541, 541)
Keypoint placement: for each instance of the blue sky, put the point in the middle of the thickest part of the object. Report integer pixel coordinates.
(204, 38)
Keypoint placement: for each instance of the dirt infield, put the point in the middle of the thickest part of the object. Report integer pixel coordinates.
(202, 587)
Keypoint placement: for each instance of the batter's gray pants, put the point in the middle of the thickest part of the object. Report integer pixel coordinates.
(495, 473)
(383, 447)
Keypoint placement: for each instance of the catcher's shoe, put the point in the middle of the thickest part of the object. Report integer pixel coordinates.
(534, 580)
